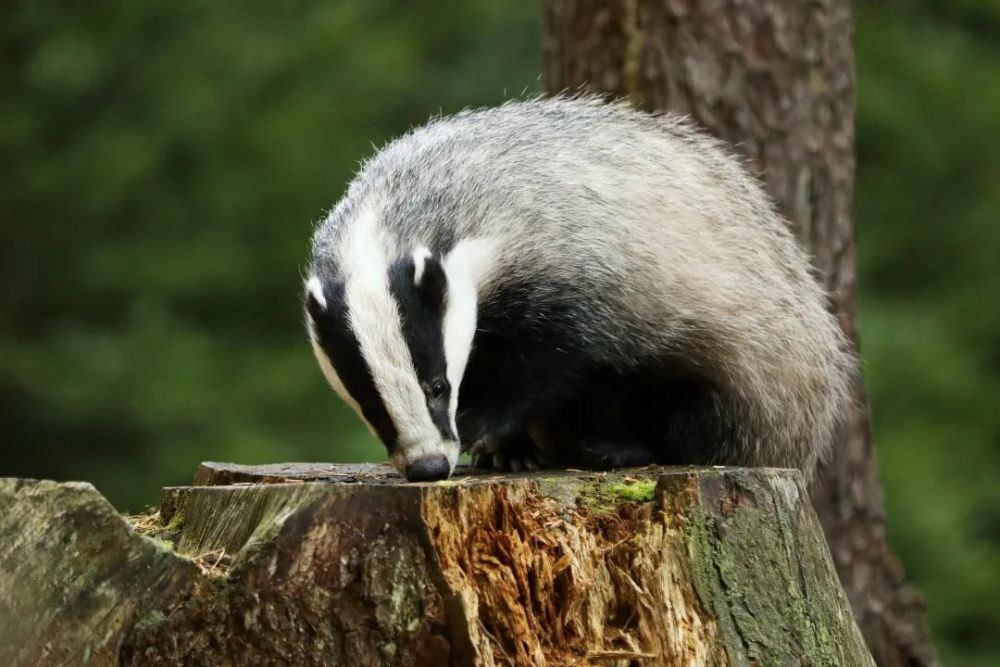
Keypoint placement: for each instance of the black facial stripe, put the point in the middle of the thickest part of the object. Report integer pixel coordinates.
(338, 341)
(421, 310)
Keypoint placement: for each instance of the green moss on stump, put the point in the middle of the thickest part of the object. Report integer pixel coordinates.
(638, 491)
(604, 497)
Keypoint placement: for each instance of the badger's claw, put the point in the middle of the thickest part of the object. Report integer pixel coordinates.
(513, 456)
(482, 447)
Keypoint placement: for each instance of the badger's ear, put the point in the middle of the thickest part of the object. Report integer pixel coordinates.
(315, 297)
(428, 274)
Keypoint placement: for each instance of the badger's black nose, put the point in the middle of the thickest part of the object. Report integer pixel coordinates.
(428, 469)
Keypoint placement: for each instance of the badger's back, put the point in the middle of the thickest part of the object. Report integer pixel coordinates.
(642, 236)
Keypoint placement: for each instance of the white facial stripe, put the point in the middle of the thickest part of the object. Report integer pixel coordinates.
(375, 320)
(330, 373)
(315, 288)
(468, 266)
(420, 256)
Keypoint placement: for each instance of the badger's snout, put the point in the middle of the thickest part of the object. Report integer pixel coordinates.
(428, 469)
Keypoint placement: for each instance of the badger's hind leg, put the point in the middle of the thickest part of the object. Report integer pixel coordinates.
(572, 439)
(608, 453)
(636, 419)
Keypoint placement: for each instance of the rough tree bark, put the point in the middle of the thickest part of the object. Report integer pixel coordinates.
(774, 78)
(350, 565)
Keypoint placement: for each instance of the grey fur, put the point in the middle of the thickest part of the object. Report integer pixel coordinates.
(674, 248)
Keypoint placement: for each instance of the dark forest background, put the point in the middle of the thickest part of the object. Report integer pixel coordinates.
(164, 164)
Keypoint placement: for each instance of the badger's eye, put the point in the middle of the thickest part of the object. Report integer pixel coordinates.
(439, 388)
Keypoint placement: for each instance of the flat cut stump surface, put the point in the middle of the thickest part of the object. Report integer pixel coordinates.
(325, 564)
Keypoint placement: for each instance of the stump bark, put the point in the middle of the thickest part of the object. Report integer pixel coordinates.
(349, 565)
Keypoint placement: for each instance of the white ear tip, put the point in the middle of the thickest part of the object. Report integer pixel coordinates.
(420, 256)
(315, 289)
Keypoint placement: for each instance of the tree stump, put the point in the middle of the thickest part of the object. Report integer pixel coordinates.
(350, 565)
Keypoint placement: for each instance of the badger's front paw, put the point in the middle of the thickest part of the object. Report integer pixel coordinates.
(512, 455)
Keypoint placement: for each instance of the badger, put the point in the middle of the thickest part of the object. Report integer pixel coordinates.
(569, 282)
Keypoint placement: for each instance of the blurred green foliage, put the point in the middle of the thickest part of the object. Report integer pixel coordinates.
(928, 218)
(164, 164)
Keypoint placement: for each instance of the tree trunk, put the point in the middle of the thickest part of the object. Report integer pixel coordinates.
(350, 565)
(773, 78)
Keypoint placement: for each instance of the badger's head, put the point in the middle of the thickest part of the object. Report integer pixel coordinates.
(392, 335)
